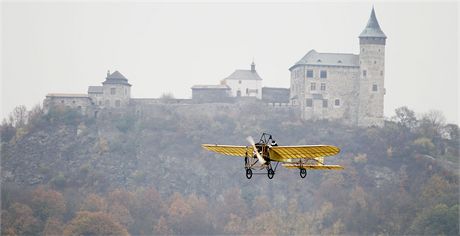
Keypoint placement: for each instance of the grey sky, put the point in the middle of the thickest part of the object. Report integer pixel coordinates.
(162, 47)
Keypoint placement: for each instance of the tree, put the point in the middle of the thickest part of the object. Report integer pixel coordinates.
(439, 220)
(94, 223)
(19, 116)
(162, 228)
(20, 220)
(94, 203)
(405, 117)
(7, 131)
(53, 226)
(46, 203)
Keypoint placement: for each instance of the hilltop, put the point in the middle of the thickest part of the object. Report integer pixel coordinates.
(398, 179)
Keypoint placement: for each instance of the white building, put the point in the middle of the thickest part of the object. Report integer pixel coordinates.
(245, 83)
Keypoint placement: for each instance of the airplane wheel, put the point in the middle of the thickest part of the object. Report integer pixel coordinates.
(303, 173)
(270, 173)
(248, 173)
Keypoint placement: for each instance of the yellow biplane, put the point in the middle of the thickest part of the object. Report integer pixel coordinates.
(263, 153)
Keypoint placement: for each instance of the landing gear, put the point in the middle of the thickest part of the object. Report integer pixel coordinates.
(303, 173)
(248, 173)
(270, 173)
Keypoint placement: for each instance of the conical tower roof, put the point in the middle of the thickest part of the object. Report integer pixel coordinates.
(372, 28)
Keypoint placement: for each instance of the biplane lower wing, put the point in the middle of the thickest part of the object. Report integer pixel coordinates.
(312, 167)
(283, 153)
(230, 150)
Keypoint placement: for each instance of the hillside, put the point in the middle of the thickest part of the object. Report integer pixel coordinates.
(146, 173)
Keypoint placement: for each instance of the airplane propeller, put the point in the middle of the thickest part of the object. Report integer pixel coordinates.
(253, 144)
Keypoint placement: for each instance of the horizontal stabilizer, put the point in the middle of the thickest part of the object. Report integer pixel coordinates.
(312, 167)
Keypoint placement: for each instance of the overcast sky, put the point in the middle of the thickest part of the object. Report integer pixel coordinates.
(169, 47)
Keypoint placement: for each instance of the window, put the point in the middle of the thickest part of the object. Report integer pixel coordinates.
(73, 102)
(309, 102)
(238, 93)
(375, 62)
(325, 103)
(239, 81)
(247, 91)
(112, 91)
(257, 91)
(319, 60)
(107, 102)
(364, 73)
(309, 73)
(337, 102)
(100, 103)
(381, 72)
(362, 49)
(323, 74)
(323, 86)
(313, 86)
(126, 91)
(62, 101)
(374, 87)
(117, 103)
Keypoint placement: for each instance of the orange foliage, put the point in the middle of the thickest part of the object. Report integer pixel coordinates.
(53, 226)
(47, 202)
(19, 220)
(94, 223)
(94, 203)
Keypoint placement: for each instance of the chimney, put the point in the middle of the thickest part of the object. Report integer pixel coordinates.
(253, 67)
(108, 73)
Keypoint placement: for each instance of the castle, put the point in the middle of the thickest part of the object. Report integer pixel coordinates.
(348, 87)
(332, 86)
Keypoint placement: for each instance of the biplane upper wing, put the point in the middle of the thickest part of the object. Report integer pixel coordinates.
(230, 150)
(283, 153)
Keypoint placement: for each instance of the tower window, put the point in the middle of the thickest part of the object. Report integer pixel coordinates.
(374, 87)
(364, 73)
(337, 102)
(309, 73)
(113, 91)
(323, 74)
(323, 86)
(325, 103)
(309, 102)
(313, 86)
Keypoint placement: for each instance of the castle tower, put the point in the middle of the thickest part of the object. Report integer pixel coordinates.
(372, 74)
(116, 90)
